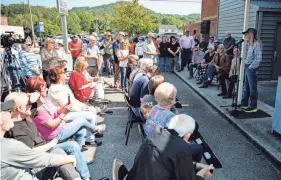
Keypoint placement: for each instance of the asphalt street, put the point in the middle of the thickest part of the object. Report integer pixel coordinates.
(240, 158)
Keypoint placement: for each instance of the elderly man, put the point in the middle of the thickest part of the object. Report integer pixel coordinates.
(92, 55)
(108, 53)
(211, 42)
(149, 49)
(76, 48)
(219, 65)
(26, 132)
(229, 43)
(116, 44)
(197, 59)
(167, 154)
(186, 44)
(19, 161)
(30, 63)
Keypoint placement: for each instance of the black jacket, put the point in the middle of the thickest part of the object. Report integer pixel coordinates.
(163, 156)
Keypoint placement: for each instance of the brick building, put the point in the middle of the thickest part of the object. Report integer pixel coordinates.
(209, 15)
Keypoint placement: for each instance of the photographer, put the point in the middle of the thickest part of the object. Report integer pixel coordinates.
(167, 154)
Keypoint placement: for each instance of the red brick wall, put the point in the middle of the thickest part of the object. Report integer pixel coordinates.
(209, 8)
(192, 27)
(4, 20)
(213, 28)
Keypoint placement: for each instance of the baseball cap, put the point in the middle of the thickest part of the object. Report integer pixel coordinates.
(250, 30)
(6, 106)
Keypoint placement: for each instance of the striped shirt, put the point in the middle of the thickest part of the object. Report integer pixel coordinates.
(29, 61)
(253, 55)
(158, 117)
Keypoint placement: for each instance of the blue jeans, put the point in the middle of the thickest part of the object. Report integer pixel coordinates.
(75, 129)
(250, 88)
(90, 116)
(210, 73)
(123, 71)
(72, 148)
(191, 66)
(73, 61)
(164, 64)
(14, 77)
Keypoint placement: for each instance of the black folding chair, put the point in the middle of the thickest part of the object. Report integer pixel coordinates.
(132, 118)
(119, 170)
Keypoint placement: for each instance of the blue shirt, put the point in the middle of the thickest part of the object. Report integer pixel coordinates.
(253, 55)
(29, 61)
(138, 90)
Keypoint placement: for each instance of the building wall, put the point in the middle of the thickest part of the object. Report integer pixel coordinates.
(209, 9)
(231, 18)
(193, 27)
(268, 37)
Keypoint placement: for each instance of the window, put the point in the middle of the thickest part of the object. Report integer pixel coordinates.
(194, 31)
(166, 30)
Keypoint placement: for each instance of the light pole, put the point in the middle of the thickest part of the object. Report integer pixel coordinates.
(31, 22)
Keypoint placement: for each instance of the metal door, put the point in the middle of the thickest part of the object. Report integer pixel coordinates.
(276, 64)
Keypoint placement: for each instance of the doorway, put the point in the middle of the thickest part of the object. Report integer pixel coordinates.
(276, 64)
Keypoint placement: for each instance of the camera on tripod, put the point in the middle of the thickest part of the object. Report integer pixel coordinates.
(9, 38)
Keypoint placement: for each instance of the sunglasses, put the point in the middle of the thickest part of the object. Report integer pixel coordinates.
(29, 45)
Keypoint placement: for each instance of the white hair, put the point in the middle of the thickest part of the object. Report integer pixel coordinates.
(150, 35)
(92, 38)
(145, 63)
(182, 124)
(165, 94)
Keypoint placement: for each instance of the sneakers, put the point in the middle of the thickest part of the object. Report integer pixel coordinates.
(203, 86)
(100, 128)
(251, 110)
(93, 143)
(221, 94)
(89, 161)
(243, 107)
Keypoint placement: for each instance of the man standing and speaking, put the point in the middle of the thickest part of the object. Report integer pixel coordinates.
(186, 44)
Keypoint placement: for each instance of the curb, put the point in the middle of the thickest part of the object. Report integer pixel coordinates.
(273, 157)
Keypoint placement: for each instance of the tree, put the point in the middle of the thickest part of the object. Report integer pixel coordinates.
(169, 20)
(51, 28)
(132, 17)
(86, 20)
(73, 23)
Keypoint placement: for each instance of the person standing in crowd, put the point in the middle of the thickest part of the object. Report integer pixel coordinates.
(229, 43)
(92, 55)
(174, 49)
(116, 44)
(197, 59)
(62, 57)
(108, 53)
(48, 54)
(137, 38)
(233, 73)
(122, 55)
(252, 60)
(203, 45)
(149, 49)
(186, 44)
(30, 63)
(167, 154)
(139, 47)
(164, 55)
(211, 41)
(76, 48)
(220, 65)
(131, 47)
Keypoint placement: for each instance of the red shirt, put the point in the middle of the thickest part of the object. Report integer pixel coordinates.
(75, 45)
(76, 81)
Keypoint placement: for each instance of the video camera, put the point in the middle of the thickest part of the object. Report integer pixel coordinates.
(9, 38)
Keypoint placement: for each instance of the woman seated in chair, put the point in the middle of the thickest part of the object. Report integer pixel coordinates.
(219, 65)
(148, 101)
(52, 123)
(61, 96)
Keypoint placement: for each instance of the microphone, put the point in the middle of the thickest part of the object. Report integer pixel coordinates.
(239, 42)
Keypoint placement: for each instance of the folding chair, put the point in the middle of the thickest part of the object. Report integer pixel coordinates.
(132, 118)
(119, 170)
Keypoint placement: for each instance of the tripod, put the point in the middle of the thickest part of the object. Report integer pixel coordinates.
(234, 104)
(11, 64)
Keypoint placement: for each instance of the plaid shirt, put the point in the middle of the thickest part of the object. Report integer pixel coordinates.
(253, 55)
(158, 117)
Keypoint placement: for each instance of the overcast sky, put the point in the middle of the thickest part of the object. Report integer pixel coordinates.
(162, 6)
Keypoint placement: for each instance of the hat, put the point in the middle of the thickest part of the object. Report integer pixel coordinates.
(211, 37)
(107, 34)
(5, 106)
(250, 30)
(122, 33)
(75, 37)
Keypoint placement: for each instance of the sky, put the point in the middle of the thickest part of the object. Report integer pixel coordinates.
(160, 6)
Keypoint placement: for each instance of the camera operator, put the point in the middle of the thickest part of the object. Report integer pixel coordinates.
(167, 154)
(5, 80)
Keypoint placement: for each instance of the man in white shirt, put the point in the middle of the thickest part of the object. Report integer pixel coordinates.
(211, 42)
(186, 44)
(92, 55)
(149, 49)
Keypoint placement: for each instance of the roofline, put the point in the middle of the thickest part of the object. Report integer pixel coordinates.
(269, 9)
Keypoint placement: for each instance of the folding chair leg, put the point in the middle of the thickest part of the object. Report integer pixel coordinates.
(130, 116)
(128, 134)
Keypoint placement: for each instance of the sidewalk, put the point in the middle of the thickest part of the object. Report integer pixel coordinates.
(257, 130)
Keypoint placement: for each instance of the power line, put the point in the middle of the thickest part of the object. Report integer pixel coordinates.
(186, 1)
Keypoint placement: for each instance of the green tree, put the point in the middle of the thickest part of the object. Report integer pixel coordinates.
(132, 17)
(73, 23)
(51, 28)
(172, 21)
(86, 19)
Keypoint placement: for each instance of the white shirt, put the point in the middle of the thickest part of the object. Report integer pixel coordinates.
(150, 48)
(211, 44)
(122, 54)
(92, 51)
(186, 42)
(139, 49)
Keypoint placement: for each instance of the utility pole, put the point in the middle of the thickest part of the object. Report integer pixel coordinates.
(63, 11)
(243, 51)
(31, 22)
